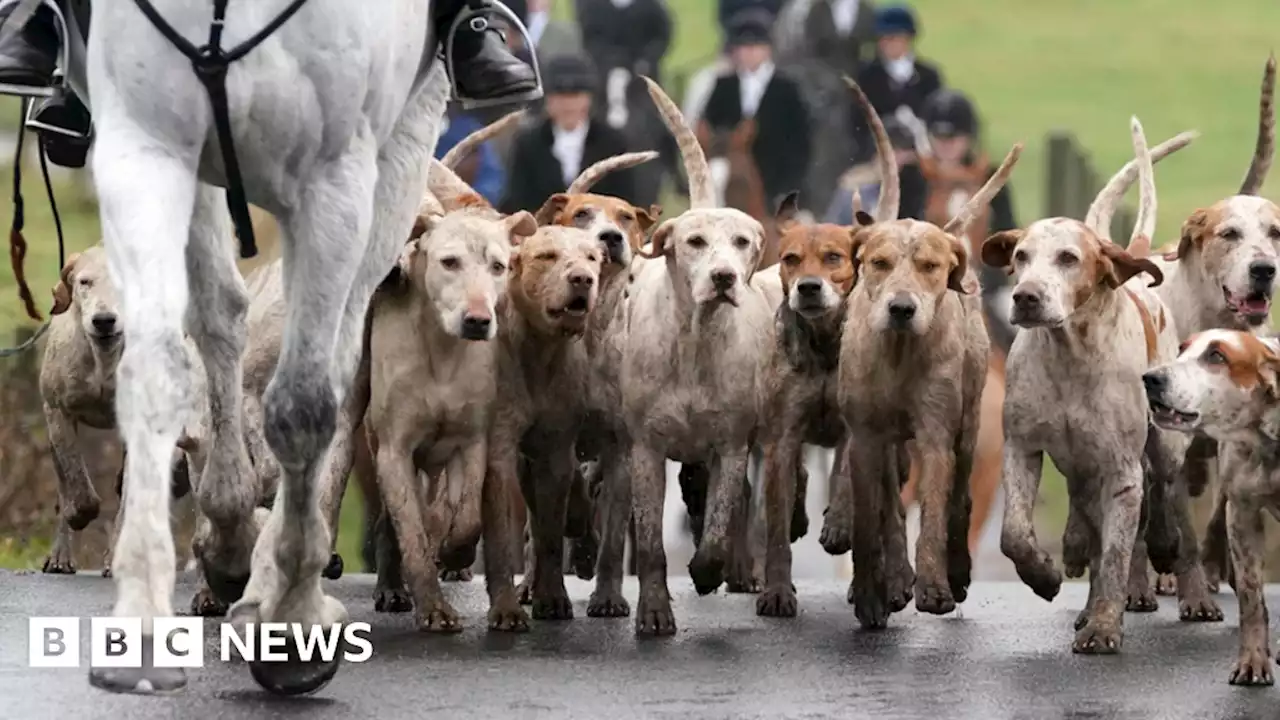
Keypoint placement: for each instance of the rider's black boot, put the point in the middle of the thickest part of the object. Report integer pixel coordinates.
(64, 126)
(485, 71)
(28, 56)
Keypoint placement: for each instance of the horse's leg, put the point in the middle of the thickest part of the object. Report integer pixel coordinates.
(369, 194)
(227, 490)
(146, 191)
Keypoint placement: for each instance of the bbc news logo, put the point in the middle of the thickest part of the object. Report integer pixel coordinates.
(179, 642)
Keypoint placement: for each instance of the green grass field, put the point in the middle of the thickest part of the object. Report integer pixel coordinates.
(1032, 67)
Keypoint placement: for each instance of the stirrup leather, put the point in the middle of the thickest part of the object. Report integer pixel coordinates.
(475, 20)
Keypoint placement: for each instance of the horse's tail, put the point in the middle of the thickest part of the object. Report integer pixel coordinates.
(702, 193)
(1265, 148)
(596, 172)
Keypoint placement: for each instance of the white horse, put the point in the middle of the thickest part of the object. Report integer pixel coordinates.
(334, 118)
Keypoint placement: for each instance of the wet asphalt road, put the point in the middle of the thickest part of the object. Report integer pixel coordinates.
(1006, 655)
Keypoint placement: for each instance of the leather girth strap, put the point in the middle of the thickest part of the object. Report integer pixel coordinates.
(211, 62)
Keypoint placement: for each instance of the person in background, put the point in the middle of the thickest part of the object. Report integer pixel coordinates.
(552, 37)
(547, 155)
(896, 82)
(865, 180)
(629, 34)
(483, 170)
(755, 90)
(841, 34)
(727, 10)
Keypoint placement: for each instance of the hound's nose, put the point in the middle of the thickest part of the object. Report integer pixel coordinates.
(902, 309)
(723, 279)
(475, 327)
(1262, 271)
(1026, 300)
(1154, 382)
(611, 238)
(581, 279)
(809, 287)
(104, 323)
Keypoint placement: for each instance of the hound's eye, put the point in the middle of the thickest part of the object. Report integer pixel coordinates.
(832, 258)
(697, 242)
(741, 243)
(593, 258)
(1274, 232)
(880, 264)
(1183, 347)
(450, 263)
(1067, 259)
(1229, 234)
(497, 267)
(1215, 357)
(85, 282)
(581, 216)
(626, 217)
(791, 260)
(546, 256)
(1020, 257)
(929, 267)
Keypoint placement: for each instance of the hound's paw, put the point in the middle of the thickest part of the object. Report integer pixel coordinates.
(1253, 668)
(654, 616)
(508, 617)
(463, 575)
(1082, 619)
(933, 599)
(106, 572)
(1201, 609)
(799, 522)
(439, 618)
(869, 605)
(899, 587)
(607, 604)
(1141, 600)
(746, 584)
(583, 556)
(146, 679)
(554, 607)
(1041, 576)
(777, 601)
(706, 569)
(850, 595)
(58, 563)
(205, 604)
(1212, 579)
(524, 593)
(835, 537)
(1073, 569)
(392, 601)
(333, 570)
(1167, 585)
(1098, 638)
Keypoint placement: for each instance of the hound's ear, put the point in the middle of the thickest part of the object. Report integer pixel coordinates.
(658, 242)
(788, 206)
(857, 238)
(960, 279)
(1122, 266)
(997, 250)
(550, 209)
(862, 219)
(398, 277)
(1193, 233)
(647, 218)
(422, 225)
(520, 225)
(62, 291)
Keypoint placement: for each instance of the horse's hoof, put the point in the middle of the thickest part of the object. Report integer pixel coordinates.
(295, 676)
(333, 570)
(145, 680)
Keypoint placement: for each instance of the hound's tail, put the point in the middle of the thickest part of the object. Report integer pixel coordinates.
(702, 193)
(890, 189)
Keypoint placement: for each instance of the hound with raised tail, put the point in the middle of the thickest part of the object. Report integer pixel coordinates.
(817, 274)
(1090, 327)
(913, 360)
(696, 332)
(1226, 385)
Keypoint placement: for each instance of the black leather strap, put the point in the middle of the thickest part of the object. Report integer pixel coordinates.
(210, 63)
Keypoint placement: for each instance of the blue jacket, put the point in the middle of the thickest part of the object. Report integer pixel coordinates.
(491, 178)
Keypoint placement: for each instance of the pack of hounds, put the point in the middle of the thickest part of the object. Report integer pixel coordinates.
(532, 373)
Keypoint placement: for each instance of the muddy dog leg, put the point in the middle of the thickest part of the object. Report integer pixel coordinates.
(1215, 556)
(837, 523)
(1246, 537)
(341, 459)
(78, 502)
(1082, 617)
(1120, 514)
(744, 576)
(937, 479)
(648, 477)
(781, 462)
(607, 599)
(1018, 535)
(695, 482)
(867, 465)
(501, 493)
(1139, 596)
(464, 482)
(1195, 603)
(710, 562)
(554, 476)
(389, 594)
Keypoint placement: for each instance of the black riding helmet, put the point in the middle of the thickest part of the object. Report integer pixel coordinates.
(947, 113)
